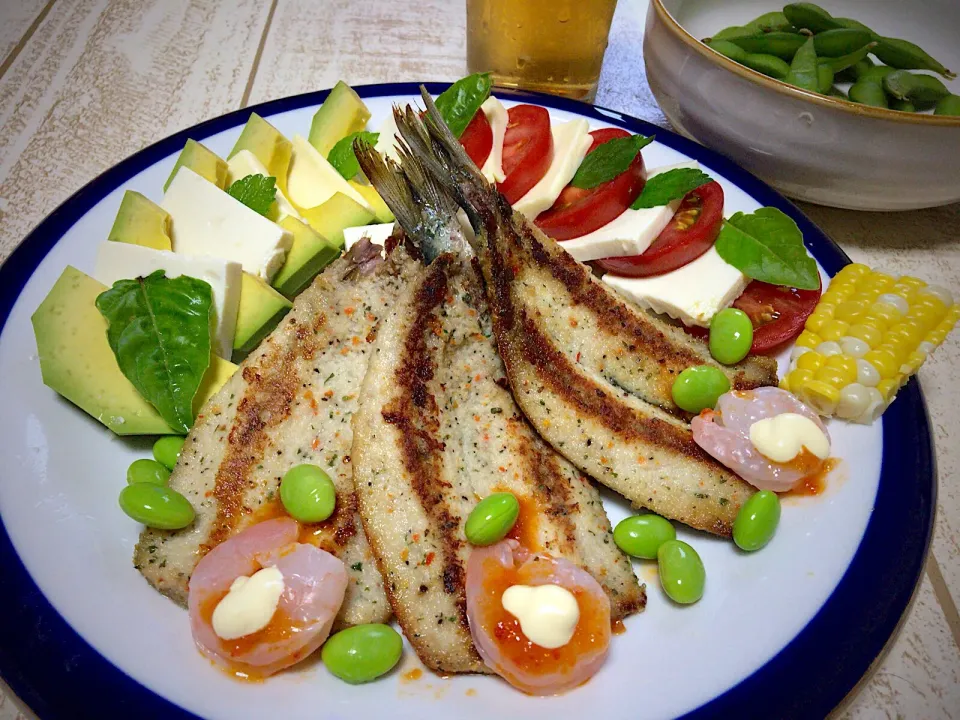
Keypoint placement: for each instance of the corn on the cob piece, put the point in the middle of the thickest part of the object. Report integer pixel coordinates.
(868, 335)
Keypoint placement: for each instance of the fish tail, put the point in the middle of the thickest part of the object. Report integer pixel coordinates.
(387, 177)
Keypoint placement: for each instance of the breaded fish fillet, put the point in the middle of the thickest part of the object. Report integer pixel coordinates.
(290, 402)
(437, 430)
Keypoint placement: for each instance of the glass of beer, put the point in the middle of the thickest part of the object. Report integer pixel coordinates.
(551, 46)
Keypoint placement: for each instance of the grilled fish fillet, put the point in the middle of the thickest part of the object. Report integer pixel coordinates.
(592, 373)
(290, 402)
(436, 431)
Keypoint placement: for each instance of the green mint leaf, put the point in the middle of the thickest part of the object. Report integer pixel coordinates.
(767, 245)
(255, 191)
(342, 156)
(608, 160)
(159, 331)
(460, 102)
(671, 185)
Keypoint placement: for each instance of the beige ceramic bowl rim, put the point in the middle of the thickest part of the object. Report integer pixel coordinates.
(795, 92)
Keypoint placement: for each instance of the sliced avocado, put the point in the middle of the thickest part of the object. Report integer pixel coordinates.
(342, 113)
(337, 213)
(370, 194)
(141, 222)
(271, 148)
(203, 162)
(310, 253)
(77, 362)
(261, 308)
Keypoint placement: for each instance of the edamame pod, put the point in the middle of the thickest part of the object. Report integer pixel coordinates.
(876, 74)
(868, 92)
(855, 71)
(949, 105)
(783, 45)
(836, 92)
(905, 55)
(850, 59)
(810, 16)
(824, 78)
(769, 65)
(804, 70)
(854, 25)
(918, 89)
(774, 21)
(839, 42)
(728, 49)
(733, 31)
(902, 105)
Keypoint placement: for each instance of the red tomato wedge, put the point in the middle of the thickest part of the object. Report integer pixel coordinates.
(527, 150)
(691, 232)
(579, 211)
(778, 314)
(477, 139)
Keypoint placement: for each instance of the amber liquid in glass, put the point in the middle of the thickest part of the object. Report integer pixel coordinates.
(552, 46)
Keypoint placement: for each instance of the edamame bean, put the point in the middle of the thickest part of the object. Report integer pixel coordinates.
(855, 71)
(949, 105)
(156, 506)
(774, 21)
(728, 49)
(905, 55)
(757, 521)
(919, 89)
(362, 653)
(902, 105)
(642, 535)
(769, 65)
(731, 335)
(810, 16)
(842, 41)
(147, 471)
(868, 92)
(167, 450)
(783, 45)
(804, 70)
(698, 388)
(824, 78)
(682, 575)
(308, 493)
(875, 74)
(492, 519)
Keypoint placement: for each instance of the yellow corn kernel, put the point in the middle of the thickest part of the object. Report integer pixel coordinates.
(884, 361)
(905, 335)
(822, 397)
(853, 271)
(932, 305)
(785, 383)
(883, 312)
(850, 311)
(838, 292)
(912, 364)
(936, 337)
(911, 282)
(923, 316)
(843, 364)
(834, 330)
(809, 339)
(878, 283)
(799, 377)
(888, 389)
(811, 361)
(869, 333)
(953, 315)
(837, 374)
(817, 321)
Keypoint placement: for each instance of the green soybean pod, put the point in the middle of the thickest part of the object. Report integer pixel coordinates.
(698, 388)
(824, 78)
(854, 25)
(757, 521)
(919, 89)
(156, 506)
(902, 105)
(783, 45)
(949, 105)
(147, 471)
(810, 16)
(769, 65)
(731, 336)
(849, 60)
(362, 653)
(804, 70)
(167, 449)
(774, 21)
(836, 92)
(642, 535)
(728, 49)
(876, 74)
(308, 494)
(732, 32)
(868, 92)
(905, 55)
(682, 574)
(492, 518)
(839, 42)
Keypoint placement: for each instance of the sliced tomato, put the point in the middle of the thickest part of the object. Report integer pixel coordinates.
(778, 313)
(691, 232)
(579, 211)
(527, 150)
(477, 139)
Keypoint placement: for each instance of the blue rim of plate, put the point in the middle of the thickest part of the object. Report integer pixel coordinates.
(60, 676)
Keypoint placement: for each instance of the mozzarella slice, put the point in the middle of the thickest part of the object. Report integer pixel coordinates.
(496, 114)
(207, 221)
(245, 163)
(377, 234)
(123, 261)
(631, 232)
(312, 180)
(692, 294)
(571, 140)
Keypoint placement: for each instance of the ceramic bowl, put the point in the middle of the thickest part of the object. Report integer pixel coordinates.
(809, 146)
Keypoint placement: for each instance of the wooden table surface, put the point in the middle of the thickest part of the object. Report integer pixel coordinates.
(85, 83)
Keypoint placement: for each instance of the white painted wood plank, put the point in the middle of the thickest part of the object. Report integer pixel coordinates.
(16, 16)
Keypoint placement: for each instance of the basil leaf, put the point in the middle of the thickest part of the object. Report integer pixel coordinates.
(159, 331)
(460, 102)
(671, 185)
(608, 160)
(255, 191)
(768, 246)
(342, 156)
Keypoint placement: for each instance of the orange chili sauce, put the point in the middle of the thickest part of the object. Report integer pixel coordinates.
(814, 481)
(526, 530)
(411, 675)
(310, 533)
